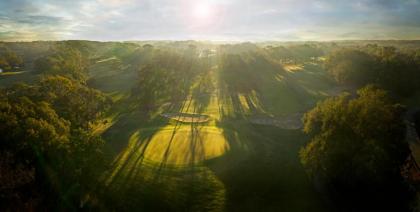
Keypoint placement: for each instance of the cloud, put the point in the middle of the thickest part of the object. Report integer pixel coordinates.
(232, 19)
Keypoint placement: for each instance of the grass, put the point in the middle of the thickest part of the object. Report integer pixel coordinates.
(110, 76)
(187, 117)
(224, 164)
(10, 78)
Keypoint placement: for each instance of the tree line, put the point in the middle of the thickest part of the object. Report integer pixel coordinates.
(50, 157)
(358, 147)
(394, 70)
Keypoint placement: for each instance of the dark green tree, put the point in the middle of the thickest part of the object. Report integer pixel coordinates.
(357, 146)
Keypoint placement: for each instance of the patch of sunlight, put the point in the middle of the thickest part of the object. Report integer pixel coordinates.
(208, 107)
(106, 59)
(103, 124)
(12, 73)
(251, 103)
(244, 103)
(180, 147)
(292, 67)
(186, 146)
(225, 107)
(279, 77)
(256, 101)
(213, 107)
(117, 96)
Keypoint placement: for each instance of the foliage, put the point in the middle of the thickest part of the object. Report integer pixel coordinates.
(166, 77)
(63, 60)
(29, 124)
(75, 102)
(9, 60)
(357, 144)
(393, 70)
(72, 100)
(351, 66)
(296, 53)
(46, 133)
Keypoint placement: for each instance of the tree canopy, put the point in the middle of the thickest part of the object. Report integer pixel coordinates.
(47, 143)
(9, 60)
(357, 145)
(65, 60)
(393, 70)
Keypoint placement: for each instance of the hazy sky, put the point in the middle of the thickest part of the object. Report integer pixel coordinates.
(209, 19)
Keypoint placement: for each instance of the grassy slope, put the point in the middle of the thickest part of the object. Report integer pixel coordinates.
(10, 78)
(224, 164)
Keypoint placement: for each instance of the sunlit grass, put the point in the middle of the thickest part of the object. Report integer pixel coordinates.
(293, 67)
(11, 73)
(157, 154)
(185, 146)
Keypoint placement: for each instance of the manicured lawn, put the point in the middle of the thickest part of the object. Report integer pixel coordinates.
(224, 164)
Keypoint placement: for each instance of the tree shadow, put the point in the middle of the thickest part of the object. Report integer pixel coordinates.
(262, 167)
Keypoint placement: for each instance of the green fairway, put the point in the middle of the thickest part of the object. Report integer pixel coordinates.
(226, 163)
(210, 105)
(10, 78)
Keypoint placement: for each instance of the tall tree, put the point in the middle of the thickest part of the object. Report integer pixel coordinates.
(357, 146)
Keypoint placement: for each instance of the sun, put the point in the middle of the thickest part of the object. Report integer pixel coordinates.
(202, 11)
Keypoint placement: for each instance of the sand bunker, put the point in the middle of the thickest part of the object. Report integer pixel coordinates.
(187, 117)
(288, 122)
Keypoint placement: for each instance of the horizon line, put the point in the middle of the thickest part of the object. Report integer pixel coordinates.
(209, 40)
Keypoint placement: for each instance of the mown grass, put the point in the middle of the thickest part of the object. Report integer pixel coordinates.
(224, 164)
(10, 78)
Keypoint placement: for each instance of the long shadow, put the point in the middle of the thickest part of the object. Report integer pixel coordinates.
(261, 171)
(199, 96)
(129, 126)
(203, 93)
(143, 141)
(178, 124)
(137, 184)
(267, 88)
(199, 101)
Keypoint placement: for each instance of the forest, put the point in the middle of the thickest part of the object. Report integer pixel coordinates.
(210, 126)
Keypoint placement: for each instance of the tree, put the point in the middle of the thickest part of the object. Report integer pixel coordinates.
(398, 71)
(351, 66)
(33, 136)
(63, 60)
(393, 70)
(46, 141)
(9, 61)
(166, 77)
(74, 101)
(70, 99)
(357, 146)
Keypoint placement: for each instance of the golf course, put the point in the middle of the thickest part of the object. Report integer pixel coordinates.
(215, 148)
(208, 126)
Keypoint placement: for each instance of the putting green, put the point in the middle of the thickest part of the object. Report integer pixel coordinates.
(183, 146)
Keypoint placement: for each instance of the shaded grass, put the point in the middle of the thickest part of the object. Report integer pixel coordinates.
(262, 171)
(10, 78)
(225, 164)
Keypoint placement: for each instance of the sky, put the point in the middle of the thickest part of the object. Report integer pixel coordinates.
(228, 20)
